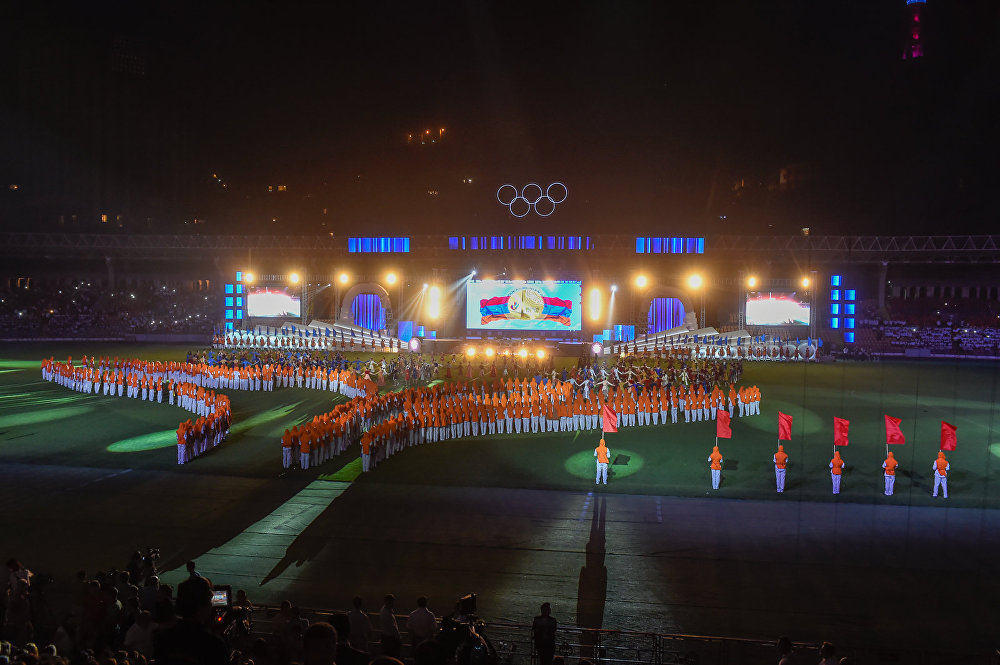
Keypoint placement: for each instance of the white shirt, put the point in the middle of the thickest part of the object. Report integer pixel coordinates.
(421, 623)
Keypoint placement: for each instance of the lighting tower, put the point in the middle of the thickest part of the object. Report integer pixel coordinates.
(914, 46)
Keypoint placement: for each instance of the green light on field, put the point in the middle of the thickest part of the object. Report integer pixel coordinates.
(995, 449)
(8, 364)
(43, 416)
(584, 464)
(168, 438)
(261, 418)
(348, 473)
(144, 442)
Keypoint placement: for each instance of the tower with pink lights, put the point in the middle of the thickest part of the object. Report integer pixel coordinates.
(914, 45)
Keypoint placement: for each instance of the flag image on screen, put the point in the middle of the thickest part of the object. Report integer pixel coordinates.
(774, 308)
(519, 305)
(265, 301)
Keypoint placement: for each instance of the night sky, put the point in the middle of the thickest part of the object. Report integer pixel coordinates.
(660, 117)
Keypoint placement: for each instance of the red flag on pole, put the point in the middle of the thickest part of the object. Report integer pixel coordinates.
(840, 427)
(892, 432)
(948, 439)
(722, 429)
(784, 427)
(610, 419)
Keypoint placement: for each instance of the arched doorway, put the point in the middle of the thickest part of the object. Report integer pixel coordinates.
(667, 308)
(366, 305)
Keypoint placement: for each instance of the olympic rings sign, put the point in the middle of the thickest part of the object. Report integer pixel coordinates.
(532, 198)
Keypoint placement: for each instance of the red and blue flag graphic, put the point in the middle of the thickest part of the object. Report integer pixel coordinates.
(553, 309)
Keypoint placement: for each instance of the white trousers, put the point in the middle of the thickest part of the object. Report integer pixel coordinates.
(942, 482)
(602, 472)
(835, 477)
(889, 482)
(779, 478)
(716, 477)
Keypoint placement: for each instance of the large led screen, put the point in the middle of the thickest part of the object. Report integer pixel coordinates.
(772, 308)
(521, 305)
(273, 301)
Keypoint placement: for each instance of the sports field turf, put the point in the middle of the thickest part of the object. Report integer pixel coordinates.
(518, 519)
(42, 422)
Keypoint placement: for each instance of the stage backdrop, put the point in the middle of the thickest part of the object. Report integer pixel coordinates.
(523, 305)
(273, 301)
(774, 308)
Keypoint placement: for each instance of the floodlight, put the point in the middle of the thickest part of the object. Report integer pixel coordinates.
(294, 278)
(695, 281)
(641, 281)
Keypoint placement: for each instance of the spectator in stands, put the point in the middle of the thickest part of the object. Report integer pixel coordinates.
(421, 624)
(190, 641)
(827, 654)
(392, 641)
(140, 636)
(784, 651)
(543, 633)
(346, 654)
(319, 644)
(430, 652)
(361, 626)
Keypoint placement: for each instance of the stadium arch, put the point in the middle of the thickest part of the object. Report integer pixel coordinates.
(690, 316)
(346, 315)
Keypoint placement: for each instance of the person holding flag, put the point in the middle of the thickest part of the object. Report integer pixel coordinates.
(781, 457)
(890, 465)
(602, 454)
(722, 430)
(837, 465)
(949, 441)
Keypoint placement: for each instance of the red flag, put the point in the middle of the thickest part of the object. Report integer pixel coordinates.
(840, 431)
(784, 427)
(722, 429)
(892, 432)
(610, 419)
(948, 439)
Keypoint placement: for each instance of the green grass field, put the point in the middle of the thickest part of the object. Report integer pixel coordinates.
(44, 423)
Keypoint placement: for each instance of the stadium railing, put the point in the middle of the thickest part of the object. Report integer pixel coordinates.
(514, 646)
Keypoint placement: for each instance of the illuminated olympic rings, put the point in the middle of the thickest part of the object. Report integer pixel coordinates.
(532, 198)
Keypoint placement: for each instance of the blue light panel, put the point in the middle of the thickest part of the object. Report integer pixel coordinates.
(229, 289)
(239, 276)
(239, 288)
(378, 245)
(229, 325)
(229, 302)
(673, 245)
(849, 337)
(239, 314)
(849, 294)
(420, 331)
(834, 280)
(229, 314)
(849, 309)
(835, 309)
(849, 323)
(835, 294)
(834, 323)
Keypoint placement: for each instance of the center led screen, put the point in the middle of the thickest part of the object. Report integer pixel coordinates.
(521, 305)
(273, 301)
(774, 308)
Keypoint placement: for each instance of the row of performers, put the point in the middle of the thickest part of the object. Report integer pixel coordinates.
(194, 437)
(385, 344)
(385, 424)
